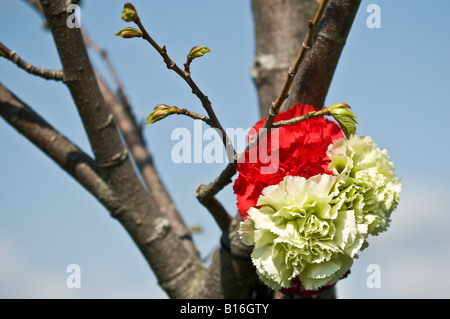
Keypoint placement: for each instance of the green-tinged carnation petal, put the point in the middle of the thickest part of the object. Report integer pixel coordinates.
(262, 217)
(315, 276)
(297, 236)
(366, 180)
(246, 231)
(263, 260)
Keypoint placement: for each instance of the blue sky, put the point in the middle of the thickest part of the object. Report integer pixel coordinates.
(396, 78)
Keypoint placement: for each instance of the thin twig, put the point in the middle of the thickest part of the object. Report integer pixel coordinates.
(195, 116)
(186, 76)
(298, 119)
(57, 75)
(210, 202)
(227, 174)
(306, 45)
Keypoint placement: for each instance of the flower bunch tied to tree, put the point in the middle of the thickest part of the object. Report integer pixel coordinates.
(309, 219)
(311, 198)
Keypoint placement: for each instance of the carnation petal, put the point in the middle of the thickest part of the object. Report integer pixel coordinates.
(246, 232)
(311, 279)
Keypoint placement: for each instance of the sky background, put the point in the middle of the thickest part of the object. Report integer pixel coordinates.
(396, 78)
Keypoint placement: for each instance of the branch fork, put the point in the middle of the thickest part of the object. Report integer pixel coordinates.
(225, 177)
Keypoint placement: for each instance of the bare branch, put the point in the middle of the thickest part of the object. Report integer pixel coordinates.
(314, 77)
(186, 76)
(210, 203)
(195, 116)
(67, 155)
(144, 162)
(12, 56)
(312, 26)
(298, 119)
(165, 110)
(139, 215)
(216, 209)
(225, 177)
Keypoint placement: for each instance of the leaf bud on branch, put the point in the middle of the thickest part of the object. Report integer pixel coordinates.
(345, 118)
(129, 13)
(129, 33)
(160, 112)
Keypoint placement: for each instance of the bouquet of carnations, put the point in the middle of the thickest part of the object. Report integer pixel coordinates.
(310, 216)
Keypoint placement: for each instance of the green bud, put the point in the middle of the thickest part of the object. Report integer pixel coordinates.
(197, 52)
(129, 15)
(2, 53)
(160, 112)
(129, 33)
(345, 118)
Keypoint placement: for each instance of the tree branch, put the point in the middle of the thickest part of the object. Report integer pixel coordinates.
(306, 45)
(175, 110)
(298, 119)
(216, 209)
(144, 162)
(67, 155)
(186, 76)
(179, 273)
(12, 56)
(208, 191)
(212, 204)
(316, 73)
(194, 116)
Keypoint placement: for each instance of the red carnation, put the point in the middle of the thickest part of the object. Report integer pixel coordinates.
(301, 151)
